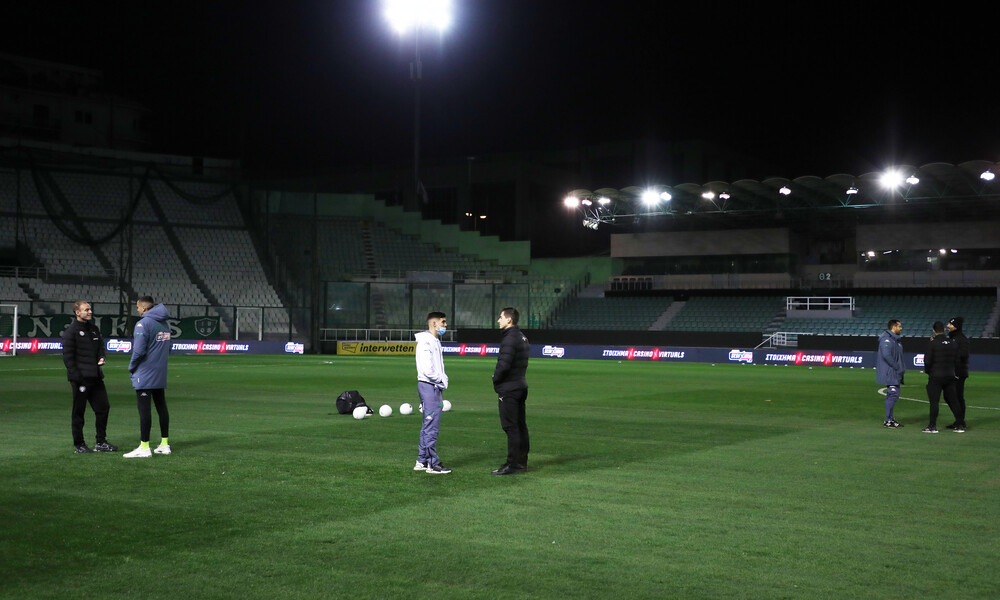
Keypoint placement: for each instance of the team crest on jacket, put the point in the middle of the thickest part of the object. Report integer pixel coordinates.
(205, 327)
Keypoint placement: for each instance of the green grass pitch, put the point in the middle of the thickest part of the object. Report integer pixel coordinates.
(648, 480)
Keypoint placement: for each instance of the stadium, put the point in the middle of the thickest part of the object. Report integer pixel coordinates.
(704, 415)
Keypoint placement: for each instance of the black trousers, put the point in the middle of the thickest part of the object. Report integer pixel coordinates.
(512, 420)
(143, 398)
(936, 385)
(960, 400)
(96, 395)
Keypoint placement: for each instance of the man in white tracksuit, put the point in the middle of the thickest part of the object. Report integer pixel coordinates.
(431, 381)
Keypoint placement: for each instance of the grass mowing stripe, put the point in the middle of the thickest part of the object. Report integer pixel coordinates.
(648, 481)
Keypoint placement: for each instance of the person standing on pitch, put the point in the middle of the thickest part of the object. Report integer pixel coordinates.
(511, 387)
(431, 381)
(889, 368)
(148, 369)
(956, 334)
(83, 355)
(939, 364)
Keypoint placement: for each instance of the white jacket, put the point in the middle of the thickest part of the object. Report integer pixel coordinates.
(430, 362)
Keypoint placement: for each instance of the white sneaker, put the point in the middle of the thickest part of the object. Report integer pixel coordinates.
(139, 452)
(161, 449)
(420, 466)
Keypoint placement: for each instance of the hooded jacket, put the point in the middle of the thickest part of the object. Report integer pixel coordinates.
(150, 349)
(889, 366)
(430, 362)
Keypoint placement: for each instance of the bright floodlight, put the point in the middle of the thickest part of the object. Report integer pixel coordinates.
(650, 198)
(709, 195)
(852, 190)
(404, 15)
(571, 202)
(603, 200)
(987, 175)
(784, 191)
(665, 197)
(913, 180)
(724, 195)
(586, 202)
(891, 179)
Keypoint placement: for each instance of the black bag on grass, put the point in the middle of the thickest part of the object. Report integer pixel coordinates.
(349, 400)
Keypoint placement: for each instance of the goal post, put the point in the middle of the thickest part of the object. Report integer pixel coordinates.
(8, 329)
(249, 323)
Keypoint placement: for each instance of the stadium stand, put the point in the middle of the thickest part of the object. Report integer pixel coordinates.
(612, 313)
(184, 243)
(916, 312)
(727, 313)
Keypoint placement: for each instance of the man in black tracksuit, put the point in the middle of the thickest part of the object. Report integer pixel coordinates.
(83, 354)
(512, 390)
(939, 364)
(956, 334)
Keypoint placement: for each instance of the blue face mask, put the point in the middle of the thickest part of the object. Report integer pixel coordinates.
(441, 330)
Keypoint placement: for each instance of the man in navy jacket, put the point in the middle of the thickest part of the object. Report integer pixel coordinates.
(889, 368)
(148, 369)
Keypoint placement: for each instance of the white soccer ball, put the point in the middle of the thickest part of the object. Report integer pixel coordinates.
(445, 405)
(405, 409)
(385, 410)
(361, 412)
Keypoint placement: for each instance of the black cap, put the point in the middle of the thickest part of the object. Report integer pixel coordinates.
(957, 322)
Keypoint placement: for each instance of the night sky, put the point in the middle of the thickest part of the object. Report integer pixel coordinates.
(810, 88)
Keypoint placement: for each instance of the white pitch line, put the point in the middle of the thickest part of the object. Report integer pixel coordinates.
(882, 391)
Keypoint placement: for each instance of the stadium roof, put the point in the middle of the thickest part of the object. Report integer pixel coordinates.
(964, 189)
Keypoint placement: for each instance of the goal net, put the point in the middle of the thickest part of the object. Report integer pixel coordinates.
(8, 329)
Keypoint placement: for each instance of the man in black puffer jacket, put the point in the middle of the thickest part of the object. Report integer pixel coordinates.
(83, 354)
(956, 334)
(939, 364)
(511, 387)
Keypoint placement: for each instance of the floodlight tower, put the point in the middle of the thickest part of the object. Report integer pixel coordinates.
(414, 16)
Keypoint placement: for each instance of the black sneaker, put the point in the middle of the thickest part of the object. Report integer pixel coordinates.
(105, 446)
(438, 469)
(929, 430)
(508, 470)
(959, 429)
(952, 426)
(893, 423)
(82, 449)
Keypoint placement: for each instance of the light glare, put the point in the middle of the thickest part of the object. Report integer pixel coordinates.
(650, 198)
(891, 179)
(987, 175)
(404, 15)
(571, 202)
